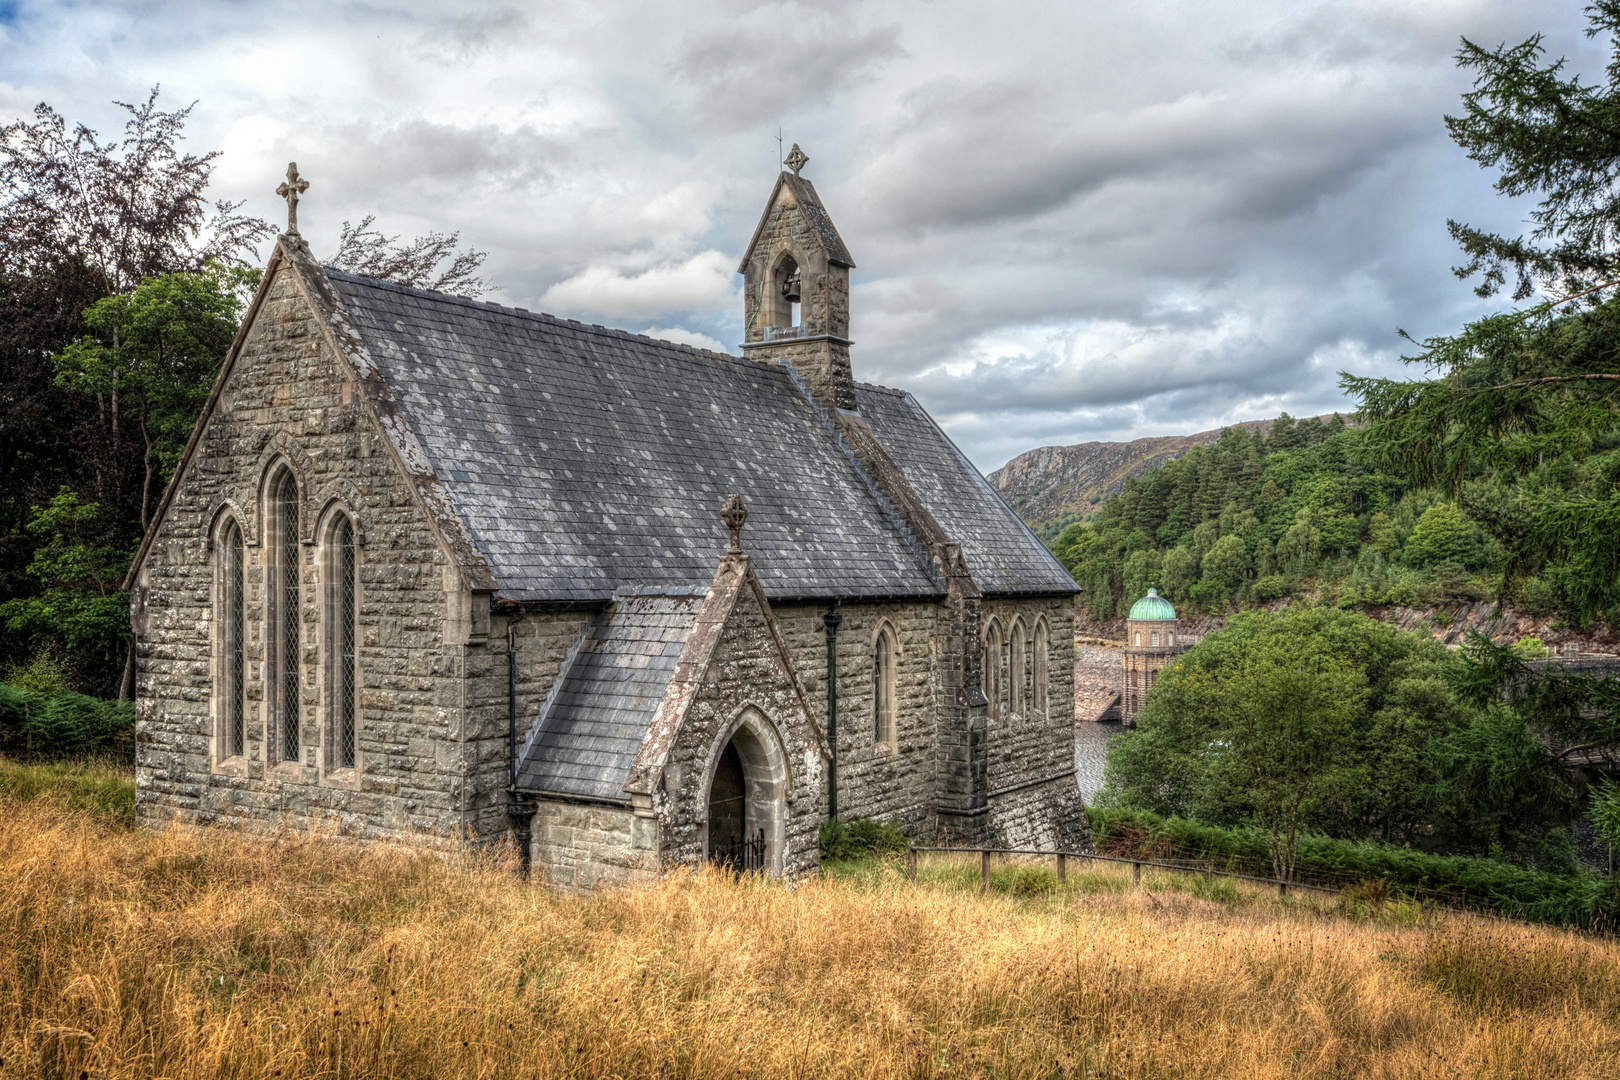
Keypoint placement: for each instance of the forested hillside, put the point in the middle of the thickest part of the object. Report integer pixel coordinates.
(1254, 517)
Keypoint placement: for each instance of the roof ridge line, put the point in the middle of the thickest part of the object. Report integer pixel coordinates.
(508, 309)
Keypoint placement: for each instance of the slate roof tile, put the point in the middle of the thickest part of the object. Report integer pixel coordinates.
(584, 461)
(593, 726)
(1000, 551)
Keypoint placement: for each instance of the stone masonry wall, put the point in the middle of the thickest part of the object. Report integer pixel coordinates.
(287, 398)
(593, 847)
(1034, 797)
(543, 640)
(873, 780)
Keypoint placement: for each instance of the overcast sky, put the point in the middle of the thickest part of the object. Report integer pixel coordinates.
(1073, 220)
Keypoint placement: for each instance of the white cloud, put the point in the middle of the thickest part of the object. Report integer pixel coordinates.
(682, 336)
(706, 280)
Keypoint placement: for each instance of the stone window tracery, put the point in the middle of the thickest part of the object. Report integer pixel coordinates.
(342, 659)
(993, 683)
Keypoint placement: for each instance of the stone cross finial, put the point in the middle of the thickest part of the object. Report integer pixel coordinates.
(796, 159)
(734, 514)
(290, 191)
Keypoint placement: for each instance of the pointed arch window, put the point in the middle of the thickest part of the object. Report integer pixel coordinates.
(343, 601)
(1042, 665)
(232, 654)
(883, 689)
(286, 636)
(993, 683)
(1018, 681)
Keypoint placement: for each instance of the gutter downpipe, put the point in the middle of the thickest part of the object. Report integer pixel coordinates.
(519, 809)
(831, 620)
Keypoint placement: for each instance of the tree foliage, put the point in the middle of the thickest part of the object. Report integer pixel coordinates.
(363, 249)
(79, 609)
(1331, 721)
(1253, 518)
(124, 209)
(1516, 415)
(82, 219)
(154, 355)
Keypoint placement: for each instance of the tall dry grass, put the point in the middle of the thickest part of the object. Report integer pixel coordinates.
(200, 953)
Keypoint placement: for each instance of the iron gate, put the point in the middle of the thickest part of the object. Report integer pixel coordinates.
(747, 853)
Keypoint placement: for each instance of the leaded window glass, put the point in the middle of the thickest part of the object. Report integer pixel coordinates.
(235, 667)
(1017, 678)
(883, 689)
(1043, 647)
(345, 642)
(993, 684)
(289, 617)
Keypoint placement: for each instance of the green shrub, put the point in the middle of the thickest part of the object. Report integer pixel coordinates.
(1587, 902)
(44, 727)
(859, 837)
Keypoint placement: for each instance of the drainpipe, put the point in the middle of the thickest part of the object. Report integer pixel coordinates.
(831, 621)
(519, 809)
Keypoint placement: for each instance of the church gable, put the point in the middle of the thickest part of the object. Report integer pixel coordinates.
(285, 596)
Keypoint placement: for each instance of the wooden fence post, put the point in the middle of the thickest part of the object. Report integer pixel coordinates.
(1063, 868)
(911, 863)
(984, 871)
(1282, 888)
(1136, 875)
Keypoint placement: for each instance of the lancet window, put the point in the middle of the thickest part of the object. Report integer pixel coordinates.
(1042, 667)
(285, 634)
(994, 685)
(883, 688)
(232, 667)
(1018, 680)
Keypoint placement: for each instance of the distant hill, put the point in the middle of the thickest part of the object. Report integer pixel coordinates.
(1053, 487)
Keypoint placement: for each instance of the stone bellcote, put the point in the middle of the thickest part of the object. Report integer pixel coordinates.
(796, 290)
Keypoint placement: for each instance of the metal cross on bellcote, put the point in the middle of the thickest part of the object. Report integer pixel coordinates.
(290, 191)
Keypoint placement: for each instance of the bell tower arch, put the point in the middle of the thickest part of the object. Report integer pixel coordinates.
(797, 263)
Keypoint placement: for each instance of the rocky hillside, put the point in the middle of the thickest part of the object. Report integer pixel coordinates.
(1054, 486)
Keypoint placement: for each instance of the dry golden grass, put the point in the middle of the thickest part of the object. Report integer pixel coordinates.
(194, 953)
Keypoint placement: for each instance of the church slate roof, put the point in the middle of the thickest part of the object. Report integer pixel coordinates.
(590, 729)
(584, 460)
(1000, 551)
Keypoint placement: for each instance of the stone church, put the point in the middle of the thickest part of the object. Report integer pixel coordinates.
(436, 566)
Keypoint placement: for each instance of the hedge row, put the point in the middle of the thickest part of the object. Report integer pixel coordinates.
(1588, 901)
(48, 727)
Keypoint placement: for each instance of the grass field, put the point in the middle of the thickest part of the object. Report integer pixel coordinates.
(200, 953)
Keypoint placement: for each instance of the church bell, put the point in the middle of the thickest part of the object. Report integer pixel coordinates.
(790, 288)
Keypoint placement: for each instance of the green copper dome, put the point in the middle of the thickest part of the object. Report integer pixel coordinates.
(1153, 607)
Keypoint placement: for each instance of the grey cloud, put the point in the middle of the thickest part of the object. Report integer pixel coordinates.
(779, 59)
(1072, 221)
